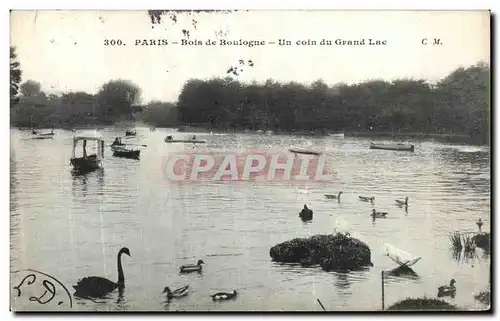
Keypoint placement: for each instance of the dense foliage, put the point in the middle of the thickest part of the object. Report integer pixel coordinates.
(114, 101)
(15, 77)
(422, 304)
(458, 104)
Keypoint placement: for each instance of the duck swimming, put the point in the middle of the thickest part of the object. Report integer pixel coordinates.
(192, 267)
(479, 224)
(306, 214)
(96, 287)
(378, 214)
(224, 295)
(366, 199)
(447, 290)
(401, 203)
(178, 293)
(333, 197)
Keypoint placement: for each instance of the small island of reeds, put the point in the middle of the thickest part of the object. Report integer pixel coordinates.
(422, 304)
(338, 252)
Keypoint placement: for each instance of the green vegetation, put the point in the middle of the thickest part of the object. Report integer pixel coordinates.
(332, 252)
(422, 304)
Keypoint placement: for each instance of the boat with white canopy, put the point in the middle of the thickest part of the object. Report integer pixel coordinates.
(86, 162)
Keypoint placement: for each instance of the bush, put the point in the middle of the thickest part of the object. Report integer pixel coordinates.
(332, 252)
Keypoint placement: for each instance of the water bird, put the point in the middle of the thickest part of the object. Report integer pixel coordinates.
(366, 199)
(178, 293)
(342, 226)
(333, 197)
(401, 203)
(306, 214)
(402, 258)
(479, 224)
(378, 214)
(447, 290)
(192, 267)
(96, 287)
(224, 295)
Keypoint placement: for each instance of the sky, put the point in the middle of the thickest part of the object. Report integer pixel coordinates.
(65, 50)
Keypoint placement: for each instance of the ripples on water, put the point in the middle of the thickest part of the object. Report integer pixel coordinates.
(72, 227)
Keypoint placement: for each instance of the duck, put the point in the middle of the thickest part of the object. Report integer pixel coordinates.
(378, 214)
(192, 267)
(306, 214)
(178, 293)
(96, 286)
(333, 197)
(447, 290)
(224, 295)
(401, 203)
(366, 199)
(479, 224)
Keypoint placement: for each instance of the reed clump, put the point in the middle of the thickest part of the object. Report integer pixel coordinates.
(337, 252)
(422, 304)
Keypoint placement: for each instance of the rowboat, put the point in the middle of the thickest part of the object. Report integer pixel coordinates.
(120, 151)
(300, 150)
(397, 147)
(130, 133)
(402, 258)
(194, 141)
(87, 163)
(337, 135)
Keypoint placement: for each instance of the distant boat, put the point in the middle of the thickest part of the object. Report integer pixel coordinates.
(402, 258)
(38, 135)
(130, 133)
(87, 163)
(397, 147)
(194, 141)
(337, 135)
(301, 150)
(120, 151)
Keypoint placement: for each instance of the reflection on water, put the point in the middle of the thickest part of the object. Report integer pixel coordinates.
(72, 226)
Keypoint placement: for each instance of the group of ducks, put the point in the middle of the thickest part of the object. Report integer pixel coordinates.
(307, 214)
(98, 287)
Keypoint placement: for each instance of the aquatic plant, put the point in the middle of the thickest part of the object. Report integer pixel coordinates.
(482, 240)
(456, 242)
(483, 297)
(337, 252)
(469, 246)
(422, 304)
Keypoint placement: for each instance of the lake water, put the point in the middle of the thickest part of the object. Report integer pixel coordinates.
(71, 227)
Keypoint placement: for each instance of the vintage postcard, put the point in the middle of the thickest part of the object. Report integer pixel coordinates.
(239, 160)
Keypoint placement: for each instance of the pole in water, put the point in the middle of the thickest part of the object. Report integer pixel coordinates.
(382, 274)
(321, 305)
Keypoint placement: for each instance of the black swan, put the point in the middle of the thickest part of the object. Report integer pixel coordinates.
(96, 286)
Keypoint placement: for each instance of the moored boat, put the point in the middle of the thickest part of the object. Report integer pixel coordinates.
(396, 147)
(301, 150)
(337, 135)
(120, 151)
(87, 163)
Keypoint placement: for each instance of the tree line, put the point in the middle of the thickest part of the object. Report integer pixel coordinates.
(458, 104)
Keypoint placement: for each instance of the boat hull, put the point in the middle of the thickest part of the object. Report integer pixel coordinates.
(133, 154)
(395, 147)
(184, 141)
(85, 164)
(301, 151)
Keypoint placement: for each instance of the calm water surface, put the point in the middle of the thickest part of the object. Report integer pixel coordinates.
(72, 227)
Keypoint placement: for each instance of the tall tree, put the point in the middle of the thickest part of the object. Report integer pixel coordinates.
(116, 98)
(15, 77)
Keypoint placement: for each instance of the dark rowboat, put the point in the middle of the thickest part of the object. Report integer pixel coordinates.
(299, 150)
(130, 133)
(396, 147)
(125, 153)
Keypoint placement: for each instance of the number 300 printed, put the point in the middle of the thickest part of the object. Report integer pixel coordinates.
(113, 42)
